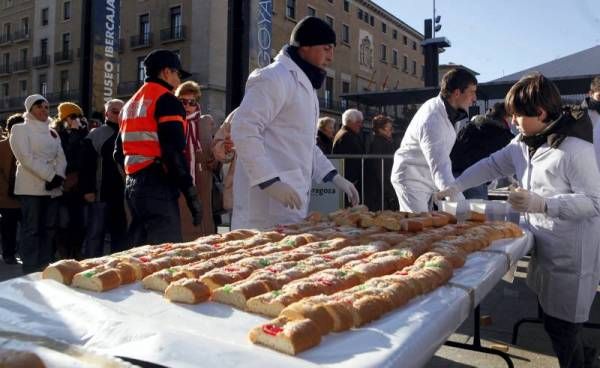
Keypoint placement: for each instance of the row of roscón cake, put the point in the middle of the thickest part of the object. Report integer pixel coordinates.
(301, 324)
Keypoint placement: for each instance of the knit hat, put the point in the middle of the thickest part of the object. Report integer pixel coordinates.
(32, 99)
(68, 108)
(312, 31)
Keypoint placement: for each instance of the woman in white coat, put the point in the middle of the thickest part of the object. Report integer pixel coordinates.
(274, 132)
(553, 160)
(422, 163)
(41, 166)
(592, 104)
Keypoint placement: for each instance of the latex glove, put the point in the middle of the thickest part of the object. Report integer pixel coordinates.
(194, 205)
(348, 188)
(523, 200)
(55, 182)
(450, 192)
(284, 194)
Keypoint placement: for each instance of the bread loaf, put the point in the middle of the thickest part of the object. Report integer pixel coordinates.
(189, 291)
(287, 336)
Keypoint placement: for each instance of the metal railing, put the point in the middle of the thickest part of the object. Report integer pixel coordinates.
(5, 69)
(21, 65)
(362, 159)
(21, 35)
(5, 38)
(64, 56)
(141, 40)
(173, 34)
(42, 60)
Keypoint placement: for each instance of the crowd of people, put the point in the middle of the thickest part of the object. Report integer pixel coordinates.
(149, 168)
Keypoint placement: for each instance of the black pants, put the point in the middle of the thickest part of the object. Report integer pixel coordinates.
(8, 228)
(38, 228)
(569, 344)
(152, 200)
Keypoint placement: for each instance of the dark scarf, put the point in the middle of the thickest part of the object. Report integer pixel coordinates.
(454, 114)
(315, 74)
(592, 104)
(572, 122)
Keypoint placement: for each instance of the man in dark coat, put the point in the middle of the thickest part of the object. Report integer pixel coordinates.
(382, 144)
(349, 141)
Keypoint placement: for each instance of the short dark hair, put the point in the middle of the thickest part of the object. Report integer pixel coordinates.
(531, 93)
(456, 78)
(595, 85)
(380, 121)
(498, 111)
(12, 120)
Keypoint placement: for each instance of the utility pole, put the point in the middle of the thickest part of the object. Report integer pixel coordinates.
(431, 48)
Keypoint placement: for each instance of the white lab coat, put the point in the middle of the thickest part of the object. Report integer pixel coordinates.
(422, 163)
(274, 132)
(565, 266)
(595, 118)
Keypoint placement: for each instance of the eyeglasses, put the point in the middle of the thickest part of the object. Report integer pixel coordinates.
(190, 102)
(115, 111)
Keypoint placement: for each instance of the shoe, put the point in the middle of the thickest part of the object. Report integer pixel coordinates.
(10, 260)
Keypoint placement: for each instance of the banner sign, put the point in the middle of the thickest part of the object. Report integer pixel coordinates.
(105, 59)
(260, 34)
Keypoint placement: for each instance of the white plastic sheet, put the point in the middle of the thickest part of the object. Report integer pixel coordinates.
(137, 323)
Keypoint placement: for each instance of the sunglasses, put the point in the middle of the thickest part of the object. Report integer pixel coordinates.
(190, 102)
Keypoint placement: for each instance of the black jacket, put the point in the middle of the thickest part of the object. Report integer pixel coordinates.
(348, 142)
(324, 143)
(477, 140)
(373, 176)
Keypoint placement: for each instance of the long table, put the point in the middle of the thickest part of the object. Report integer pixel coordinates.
(136, 323)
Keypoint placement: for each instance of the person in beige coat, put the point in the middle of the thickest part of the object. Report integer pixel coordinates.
(200, 158)
(224, 152)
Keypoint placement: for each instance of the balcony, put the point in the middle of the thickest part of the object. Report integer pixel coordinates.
(57, 97)
(4, 69)
(172, 34)
(20, 36)
(63, 57)
(140, 41)
(41, 61)
(11, 104)
(5, 38)
(20, 66)
(121, 46)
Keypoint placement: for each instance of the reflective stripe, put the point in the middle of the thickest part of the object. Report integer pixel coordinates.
(139, 136)
(136, 159)
(164, 119)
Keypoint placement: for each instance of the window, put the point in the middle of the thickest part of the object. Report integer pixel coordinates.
(66, 42)
(311, 12)
(6, 59)
(23, 54)
(6, 30)
(23, 88)
(141, 71)
(383, 27)
(43, 47)
(144, 29)
(347, 6)
(4, 90)
(414, 67)
(395, 58)
(394, 34)
(359, 14)
(44, 16)
(414, 45)
(42, 84)
(345, 87)
(328, 92)
(366, 17)
(345, 33)
(329, 21)
(25, 26)
(372, 21)
(383, 52)
(290, 9)
(64, 81)
(176, 21)
(405, 64)
(405, 40)
(67, 10)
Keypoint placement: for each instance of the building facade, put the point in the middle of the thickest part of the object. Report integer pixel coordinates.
(40, 43)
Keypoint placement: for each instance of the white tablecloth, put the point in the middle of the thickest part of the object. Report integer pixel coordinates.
(137, 323)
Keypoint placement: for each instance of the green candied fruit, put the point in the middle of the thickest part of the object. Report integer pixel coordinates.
(435, 264)
(361, 287)
(276, 292)
(171, 270)
(342, 273)
(264, 262)
(290, 242)
(323, 244)
(89, 274)
(227, 288)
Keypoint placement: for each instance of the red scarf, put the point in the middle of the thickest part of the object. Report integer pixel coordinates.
(192, 141)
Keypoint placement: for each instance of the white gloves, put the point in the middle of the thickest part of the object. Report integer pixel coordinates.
(452, 193)
(347, 187)
(525, 201)
(284, 194)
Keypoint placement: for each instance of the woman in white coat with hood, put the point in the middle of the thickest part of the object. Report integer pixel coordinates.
(274, 132)
(41, 166)
(553, 160)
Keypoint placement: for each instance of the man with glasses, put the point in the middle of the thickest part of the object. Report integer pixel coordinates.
(150, 147)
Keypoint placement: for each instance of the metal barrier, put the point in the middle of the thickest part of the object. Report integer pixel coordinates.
(362, 159)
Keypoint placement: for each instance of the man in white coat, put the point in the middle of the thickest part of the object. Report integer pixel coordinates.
(422, 163)
(592, 103)
(553, 160)
(275, 129)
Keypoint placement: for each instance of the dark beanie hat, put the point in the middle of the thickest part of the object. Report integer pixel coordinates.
(312, 31)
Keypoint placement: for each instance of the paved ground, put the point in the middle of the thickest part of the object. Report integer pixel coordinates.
(506, 304)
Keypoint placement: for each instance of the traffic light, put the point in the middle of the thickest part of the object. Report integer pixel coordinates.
(437, 26)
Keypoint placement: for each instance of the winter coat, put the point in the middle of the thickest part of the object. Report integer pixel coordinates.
(373, 175)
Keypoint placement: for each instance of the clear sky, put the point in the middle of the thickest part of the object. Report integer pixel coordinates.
(500, 37)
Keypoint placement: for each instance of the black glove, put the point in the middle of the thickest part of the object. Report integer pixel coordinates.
(193, 203)
(55, 183)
